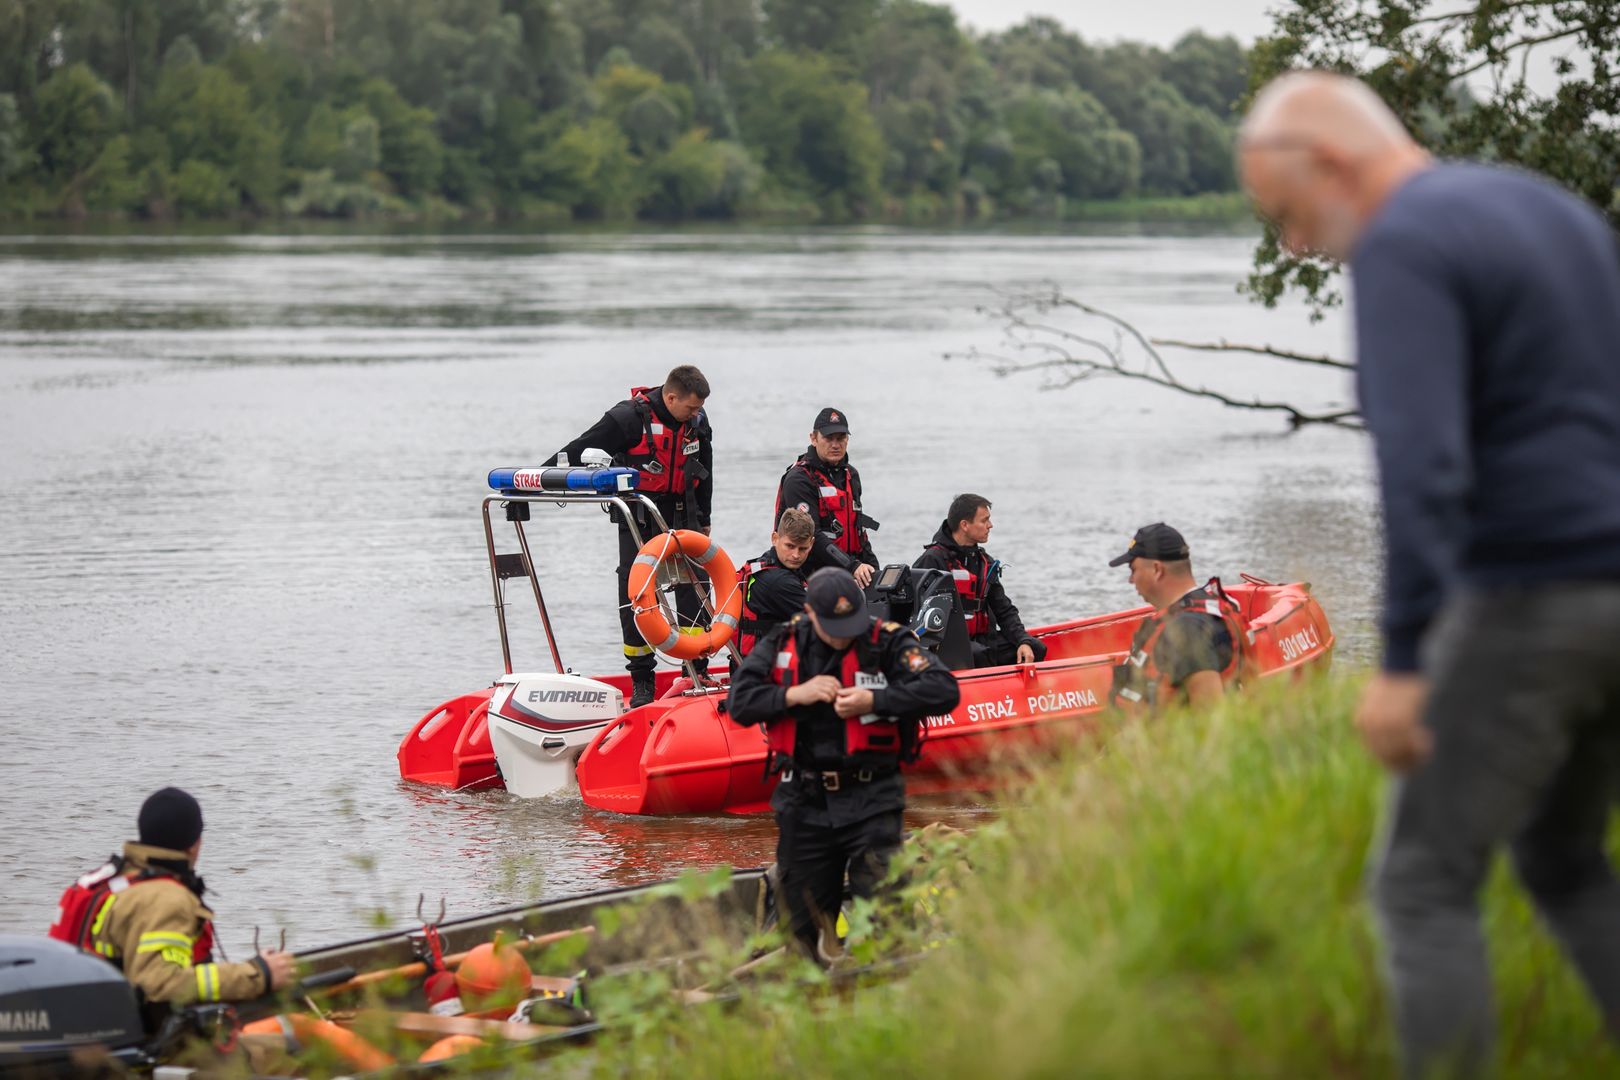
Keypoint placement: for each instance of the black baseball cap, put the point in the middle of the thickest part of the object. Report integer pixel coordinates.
(838, 602)
(831, 421)
(1156, 541)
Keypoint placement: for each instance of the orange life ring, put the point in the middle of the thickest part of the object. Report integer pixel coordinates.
(695, 642)
(349, 1046)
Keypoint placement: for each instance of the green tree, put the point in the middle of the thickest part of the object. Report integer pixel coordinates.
(1066, 141)
(1039, 52)
(588, 168)
(14, 153)
(127, 41)
(929, 90)
(1211, 72)
(1160, 119)
(657, 44)
(824, 26)
(111, 184)
(409, 150)
(700, 178)
(208, 117)
(201, 189)
(651, 112)
(723, 33)
(74, 115)
(812, 130)
(1458, 77)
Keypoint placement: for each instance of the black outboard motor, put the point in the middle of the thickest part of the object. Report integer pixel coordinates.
(927, 602)
(57, 1003)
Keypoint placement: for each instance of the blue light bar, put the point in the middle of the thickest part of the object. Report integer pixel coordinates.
(549, 478)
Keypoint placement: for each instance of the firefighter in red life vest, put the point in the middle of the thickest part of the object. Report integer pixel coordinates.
(773, 584)
(663, 433)
(993, 624)
(143, 913)
(842, 697)
(826, 486)
(1196, 640)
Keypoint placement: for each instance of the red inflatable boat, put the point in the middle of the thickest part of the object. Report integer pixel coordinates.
(541, 732)
(679, 755)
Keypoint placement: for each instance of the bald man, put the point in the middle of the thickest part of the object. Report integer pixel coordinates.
(1488, 339)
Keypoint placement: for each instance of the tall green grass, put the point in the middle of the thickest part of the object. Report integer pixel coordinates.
(1182, 898)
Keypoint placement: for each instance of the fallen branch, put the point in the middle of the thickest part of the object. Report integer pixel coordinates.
(1259, 350)
(1079, 356)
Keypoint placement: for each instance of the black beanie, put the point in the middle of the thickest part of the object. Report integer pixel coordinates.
(170, 819)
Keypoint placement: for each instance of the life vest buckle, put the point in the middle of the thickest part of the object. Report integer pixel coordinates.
(831, 781)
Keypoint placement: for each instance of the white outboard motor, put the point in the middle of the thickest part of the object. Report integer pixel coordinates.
(540, 724)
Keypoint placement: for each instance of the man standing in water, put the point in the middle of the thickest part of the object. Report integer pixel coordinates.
(663, 433)
(1487, 319)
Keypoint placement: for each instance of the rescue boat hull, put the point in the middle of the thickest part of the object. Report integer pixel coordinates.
(680, 755)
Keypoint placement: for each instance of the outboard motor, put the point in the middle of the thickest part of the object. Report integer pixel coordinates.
(540, 724)
(63, 1010)
(926, 601)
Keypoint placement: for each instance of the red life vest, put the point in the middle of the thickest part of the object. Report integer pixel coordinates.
(862, 734)
(662, 454)
(80, 912)
(1139, 681)
(972, 585)
(749, 627)
(834, 502)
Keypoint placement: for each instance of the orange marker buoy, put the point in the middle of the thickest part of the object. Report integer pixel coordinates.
(450, 1046)
(493, 976)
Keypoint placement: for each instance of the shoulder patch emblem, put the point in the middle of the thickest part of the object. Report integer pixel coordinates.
(915, 659)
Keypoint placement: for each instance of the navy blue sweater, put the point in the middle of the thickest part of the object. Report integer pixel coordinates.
(1488, 340)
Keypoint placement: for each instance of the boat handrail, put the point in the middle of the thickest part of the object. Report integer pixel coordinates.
(517, 512)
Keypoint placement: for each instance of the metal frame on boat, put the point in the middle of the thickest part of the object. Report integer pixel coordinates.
(497, 737)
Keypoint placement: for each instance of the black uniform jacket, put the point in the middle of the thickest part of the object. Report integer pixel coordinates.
(800, 489)
(918, 686)
(620, 428)
(1003, 612)
(775, 593)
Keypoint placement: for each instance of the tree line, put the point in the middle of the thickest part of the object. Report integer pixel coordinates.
(824, 110)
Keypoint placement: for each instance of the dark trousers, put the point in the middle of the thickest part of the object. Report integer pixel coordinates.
(1525, 713)
(811, 862)
(638, 654)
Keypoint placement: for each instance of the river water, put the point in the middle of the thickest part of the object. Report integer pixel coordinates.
(240, 548)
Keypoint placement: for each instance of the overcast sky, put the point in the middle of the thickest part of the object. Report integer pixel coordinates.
(1159, 22)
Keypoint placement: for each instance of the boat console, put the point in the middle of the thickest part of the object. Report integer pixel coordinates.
(928, 603)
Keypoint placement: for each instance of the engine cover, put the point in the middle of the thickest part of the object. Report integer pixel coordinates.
(540, 724)
(56, 1000)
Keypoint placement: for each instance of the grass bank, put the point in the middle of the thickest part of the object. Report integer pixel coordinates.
(1183, 899)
